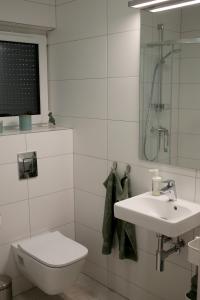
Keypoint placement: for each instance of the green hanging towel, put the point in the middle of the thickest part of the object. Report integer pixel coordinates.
(117, 190)
(109, 221)
(126, 231)
(193, 292)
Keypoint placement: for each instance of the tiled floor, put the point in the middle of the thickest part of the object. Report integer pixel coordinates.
(85, 289)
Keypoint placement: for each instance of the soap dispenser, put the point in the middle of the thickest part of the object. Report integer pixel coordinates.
(156, 182)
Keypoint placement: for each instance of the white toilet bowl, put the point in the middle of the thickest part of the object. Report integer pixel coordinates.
(50, 261)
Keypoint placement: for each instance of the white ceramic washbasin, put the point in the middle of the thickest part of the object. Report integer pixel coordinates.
(158, 214)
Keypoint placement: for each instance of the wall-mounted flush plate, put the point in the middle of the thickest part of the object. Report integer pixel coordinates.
(27, 165)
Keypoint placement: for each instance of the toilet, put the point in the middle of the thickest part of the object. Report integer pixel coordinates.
(50, 261)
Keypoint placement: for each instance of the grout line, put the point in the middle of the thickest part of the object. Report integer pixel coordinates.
(77, 40)
(52, 193)
(9, 243)
(56, 18)
(90, 193)
(55, 155)
(28, 191)
(124, 279)
(93, 78)
(90, 156)
(40, 3)
(35, 197)
(64, 3)
(106, 35)
(163, 167)
(107, 94)
(39, 158)
(195, 188)
(14, 202)
(54, 228)
(105, 286)
(97, 118)
(74, 189)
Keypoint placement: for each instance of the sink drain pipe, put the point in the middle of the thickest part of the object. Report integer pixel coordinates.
(162, 254)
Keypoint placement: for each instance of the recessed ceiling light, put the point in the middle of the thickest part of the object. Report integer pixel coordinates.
(176, 4)
(145, 3)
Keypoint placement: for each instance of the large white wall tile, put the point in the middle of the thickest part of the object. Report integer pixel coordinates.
(67, 230)
(189, 121)
(144, 274)
(197, 196)
(93, 241)
(188, 162)
(27, 13)
(50, 143)
(123, 99)
(190, 16)
(121, 17)
(15, 222)
(189, 146)
(123, 141)
(12, 189)
(81, 59)
(90, 173)
(20, 285)
(87, 204)
(128, 289)
(141, 180)
(75, 20)
(51, 211)
(96, 272)
(79, 98)
(170, 19)
(54, 174)
(190, 51)
(7, 261)
(186, 101)
(190, 70)
(10, 146)
(146, 18)
(123, 54)
(86, 139)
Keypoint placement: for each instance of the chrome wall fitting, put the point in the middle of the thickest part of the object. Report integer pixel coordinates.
(162, 254)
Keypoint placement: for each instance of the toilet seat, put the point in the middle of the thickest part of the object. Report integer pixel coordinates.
(53, 249)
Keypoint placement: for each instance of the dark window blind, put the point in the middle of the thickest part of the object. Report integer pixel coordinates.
(19, 79)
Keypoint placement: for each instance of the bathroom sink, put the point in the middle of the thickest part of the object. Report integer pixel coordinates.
(158, 214)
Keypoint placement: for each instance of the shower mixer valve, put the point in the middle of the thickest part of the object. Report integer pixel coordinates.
(162, 132)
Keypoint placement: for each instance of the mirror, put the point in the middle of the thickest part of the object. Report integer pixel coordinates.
(170, 87)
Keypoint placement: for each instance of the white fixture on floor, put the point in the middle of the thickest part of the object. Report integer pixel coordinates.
(50, 261)
(157, 213)
(194, 258)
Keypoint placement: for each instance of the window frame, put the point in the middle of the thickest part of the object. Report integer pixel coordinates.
(41, 40)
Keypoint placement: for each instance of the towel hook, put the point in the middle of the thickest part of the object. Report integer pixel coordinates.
(128, 170)
(114, 167)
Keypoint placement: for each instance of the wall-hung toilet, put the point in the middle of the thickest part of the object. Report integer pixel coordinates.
(50, 261)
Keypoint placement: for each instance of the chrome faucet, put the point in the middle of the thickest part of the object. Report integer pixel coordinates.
(170, 189)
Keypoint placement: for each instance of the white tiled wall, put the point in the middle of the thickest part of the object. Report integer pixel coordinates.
(29, 207)
(94, 75)
(40, 13)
